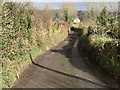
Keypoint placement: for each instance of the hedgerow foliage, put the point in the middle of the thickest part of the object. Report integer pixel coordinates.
(26, 32)
(15, 30)
(16, 37)
(102, 42)
(109, 22)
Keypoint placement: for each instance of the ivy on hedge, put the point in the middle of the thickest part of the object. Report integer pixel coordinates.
(16, 24)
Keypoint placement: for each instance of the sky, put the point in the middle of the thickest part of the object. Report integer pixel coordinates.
(79, 5)
(62, 0)
(57, 5)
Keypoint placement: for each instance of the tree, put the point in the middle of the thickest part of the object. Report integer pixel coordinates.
(67, 12)
(102, 19)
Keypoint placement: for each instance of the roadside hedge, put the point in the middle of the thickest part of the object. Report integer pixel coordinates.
(23, 36)
(102, 51)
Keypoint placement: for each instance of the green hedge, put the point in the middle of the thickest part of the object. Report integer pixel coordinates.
(105, 52)
(20, 39)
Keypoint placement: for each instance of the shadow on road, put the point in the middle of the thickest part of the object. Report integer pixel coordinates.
(72, 53)
(80, 62)
(67, 52)
(69, 75)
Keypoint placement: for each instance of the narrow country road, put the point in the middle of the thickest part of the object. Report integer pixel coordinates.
(62, 67)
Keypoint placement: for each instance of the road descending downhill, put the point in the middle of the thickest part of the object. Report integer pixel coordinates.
(63, 67)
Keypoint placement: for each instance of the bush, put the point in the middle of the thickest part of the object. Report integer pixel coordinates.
(96, 30)
(109, 59)
(23, 37)
(103, 51)
(16, 38)
(15, 28)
